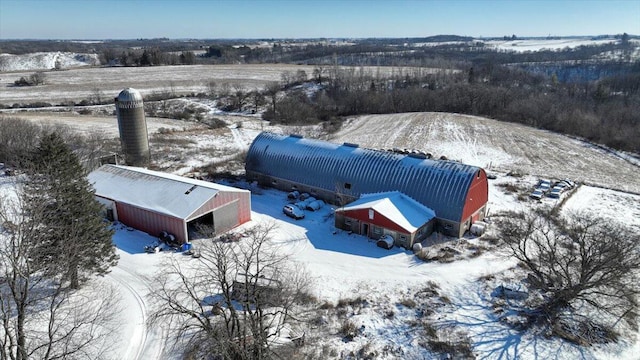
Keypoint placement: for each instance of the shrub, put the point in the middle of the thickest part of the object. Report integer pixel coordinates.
(326, 305)
(349, 330)
(408, 303)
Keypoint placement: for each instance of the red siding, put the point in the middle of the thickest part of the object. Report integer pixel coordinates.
(477, 196)
(151, 222)
(378, 219)
(223, 198)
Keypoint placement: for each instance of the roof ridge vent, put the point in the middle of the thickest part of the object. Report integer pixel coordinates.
(351, 145)
(297, 136)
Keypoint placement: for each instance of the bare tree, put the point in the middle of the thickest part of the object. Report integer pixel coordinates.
(38, 78)
(574, 261)
(18, 138)
(272, 90)
(41, 316)
(235, 299)
(286, 78)
(318, 70)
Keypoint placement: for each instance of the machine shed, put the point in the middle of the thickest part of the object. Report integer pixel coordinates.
(339, 174)
(152, 201)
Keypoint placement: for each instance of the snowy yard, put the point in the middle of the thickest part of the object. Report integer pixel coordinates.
(345, 267)
(381, 285)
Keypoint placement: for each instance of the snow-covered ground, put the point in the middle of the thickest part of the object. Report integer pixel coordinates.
(344, 266)
(76, 84)
(46, 61)
(534, 45)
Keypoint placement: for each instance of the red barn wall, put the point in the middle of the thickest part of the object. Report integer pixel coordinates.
(378, 219)
(477, 196)
(223, 198)
(151, 222)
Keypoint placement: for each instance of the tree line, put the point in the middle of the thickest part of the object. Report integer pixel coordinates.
(605, 111)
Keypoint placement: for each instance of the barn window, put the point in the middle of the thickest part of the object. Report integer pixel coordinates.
(347, 185)
(347, 222)
(370, 214)
(377, 230)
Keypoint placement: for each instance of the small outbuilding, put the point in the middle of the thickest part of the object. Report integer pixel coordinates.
(153, 201)
(389, 213)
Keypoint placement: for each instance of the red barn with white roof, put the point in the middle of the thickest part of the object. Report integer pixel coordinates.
(389, 213)
(153, 201)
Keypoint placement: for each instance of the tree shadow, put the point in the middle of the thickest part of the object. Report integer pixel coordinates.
(319, 229)
(494, 339)
(130, 240)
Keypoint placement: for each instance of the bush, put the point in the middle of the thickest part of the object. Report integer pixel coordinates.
(408, 303)
(349, 330)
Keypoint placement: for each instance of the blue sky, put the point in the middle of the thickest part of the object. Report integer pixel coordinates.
(119, 19)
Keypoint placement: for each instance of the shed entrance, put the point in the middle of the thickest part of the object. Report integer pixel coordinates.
(195, 226)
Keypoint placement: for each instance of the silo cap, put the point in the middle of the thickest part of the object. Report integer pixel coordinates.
(129, 94)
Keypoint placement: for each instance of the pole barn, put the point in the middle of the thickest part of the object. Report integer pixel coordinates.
(152, 201)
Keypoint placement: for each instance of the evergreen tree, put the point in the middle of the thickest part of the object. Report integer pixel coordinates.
(75, 242)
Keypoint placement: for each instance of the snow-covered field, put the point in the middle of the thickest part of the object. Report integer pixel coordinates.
(533, 45)
(347, 266)
(77, 84)
(83, 83)
(46, 61)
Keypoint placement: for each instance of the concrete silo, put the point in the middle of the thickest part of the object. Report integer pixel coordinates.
(133, 127)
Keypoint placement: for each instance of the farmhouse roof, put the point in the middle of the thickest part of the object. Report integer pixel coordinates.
(441, 185)
(397, 207)
(153, 190)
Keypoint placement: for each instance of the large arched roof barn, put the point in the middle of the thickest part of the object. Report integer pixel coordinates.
(458, 193)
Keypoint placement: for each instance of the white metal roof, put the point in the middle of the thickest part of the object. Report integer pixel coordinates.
(153, 190)
(397, 207)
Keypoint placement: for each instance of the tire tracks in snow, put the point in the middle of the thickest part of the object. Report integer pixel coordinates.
(237, 138)
(139, 343)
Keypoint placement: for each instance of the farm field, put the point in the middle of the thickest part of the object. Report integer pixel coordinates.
(77, 84)
(346, 266)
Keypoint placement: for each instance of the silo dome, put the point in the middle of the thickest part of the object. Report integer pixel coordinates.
(129, 96)
(133, 127)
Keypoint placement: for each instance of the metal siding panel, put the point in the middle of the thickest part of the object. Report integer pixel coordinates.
(477, 196)
(439, 185)
(380, 220)
(226, 217)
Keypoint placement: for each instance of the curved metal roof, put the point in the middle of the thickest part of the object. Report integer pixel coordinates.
(439, 185)
(130, 95)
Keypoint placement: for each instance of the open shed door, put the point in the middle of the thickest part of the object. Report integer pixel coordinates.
(225, 217)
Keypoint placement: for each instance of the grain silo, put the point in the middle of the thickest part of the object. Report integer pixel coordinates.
(133, 127)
